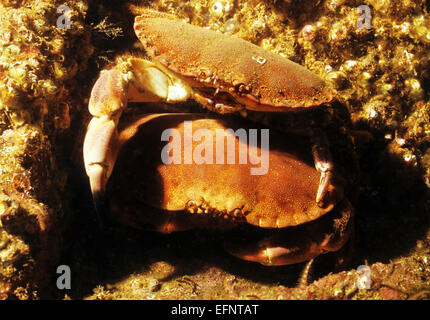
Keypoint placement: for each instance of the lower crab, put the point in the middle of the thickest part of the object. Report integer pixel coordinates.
(278, 219)
(222, 73)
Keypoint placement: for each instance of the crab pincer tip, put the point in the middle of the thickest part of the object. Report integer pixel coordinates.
(101, 207)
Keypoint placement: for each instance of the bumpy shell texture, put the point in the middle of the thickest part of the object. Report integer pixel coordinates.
(227, 62)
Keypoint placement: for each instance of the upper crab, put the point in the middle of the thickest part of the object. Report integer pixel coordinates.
(255, 78)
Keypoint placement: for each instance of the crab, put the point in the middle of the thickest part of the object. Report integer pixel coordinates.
(224, 74)
(278, 218)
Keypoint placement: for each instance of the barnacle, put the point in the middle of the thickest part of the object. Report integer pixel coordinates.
(220, 8)
(231, 26)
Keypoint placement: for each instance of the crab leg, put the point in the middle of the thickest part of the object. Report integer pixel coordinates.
(148, 82)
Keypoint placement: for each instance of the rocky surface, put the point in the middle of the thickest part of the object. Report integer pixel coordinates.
(46, 215)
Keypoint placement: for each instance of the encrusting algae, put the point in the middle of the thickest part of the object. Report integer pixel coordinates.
(46, 73)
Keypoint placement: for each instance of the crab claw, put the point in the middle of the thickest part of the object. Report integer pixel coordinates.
(329, 193)
(101, 142)
(100, 152)
(324, 166)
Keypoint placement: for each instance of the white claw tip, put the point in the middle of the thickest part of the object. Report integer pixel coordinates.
(177, 93)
